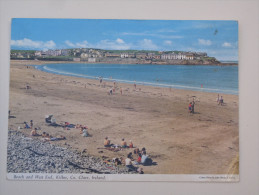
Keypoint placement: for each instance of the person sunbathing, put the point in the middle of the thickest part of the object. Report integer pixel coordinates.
(81, 130)
(34, 132)
(61, 137)
(44, 134)
(107, 143)
(123, 143)
(130, 144)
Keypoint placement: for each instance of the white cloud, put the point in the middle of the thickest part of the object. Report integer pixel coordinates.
(82, 44)
(118, 44)
(226, 44)
(28, 43)
(204, 42)
(120, 41)
(147, 44)
(69, 43)
(168, 42)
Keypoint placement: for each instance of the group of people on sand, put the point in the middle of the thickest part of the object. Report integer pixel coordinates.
(46, 137)
(26, 125)
(83, 130)
(113, 89)
(191, 107)
(141, 158)
(107, 143)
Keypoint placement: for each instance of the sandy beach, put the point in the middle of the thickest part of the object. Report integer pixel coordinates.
(206, 142)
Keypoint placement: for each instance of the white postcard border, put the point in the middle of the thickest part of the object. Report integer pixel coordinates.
(122, 177)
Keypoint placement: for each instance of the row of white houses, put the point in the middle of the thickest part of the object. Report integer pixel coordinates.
(179, 56)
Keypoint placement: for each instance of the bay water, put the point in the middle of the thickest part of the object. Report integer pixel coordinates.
(209, 78)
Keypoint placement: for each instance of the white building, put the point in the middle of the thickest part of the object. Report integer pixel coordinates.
(124, 55)
(84, 55)
(38, 53)
(76, 59)
(91, 59)
(179, 56)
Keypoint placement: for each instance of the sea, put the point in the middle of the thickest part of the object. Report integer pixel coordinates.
(208, 78)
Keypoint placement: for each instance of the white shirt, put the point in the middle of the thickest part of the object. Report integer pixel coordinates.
(127, 161)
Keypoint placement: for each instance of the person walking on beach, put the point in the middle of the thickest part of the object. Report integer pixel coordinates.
(135, 86)
(121, 90)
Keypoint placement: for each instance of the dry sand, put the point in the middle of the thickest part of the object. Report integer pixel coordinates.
(206, 142)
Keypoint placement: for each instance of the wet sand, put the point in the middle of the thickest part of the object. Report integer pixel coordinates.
(206, 142)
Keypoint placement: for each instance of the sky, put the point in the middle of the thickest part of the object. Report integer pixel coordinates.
(217, 38)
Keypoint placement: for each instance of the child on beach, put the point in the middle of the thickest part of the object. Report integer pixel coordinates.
(130, 144)
(26, 126)
(123, 143)
(85, 134)
(190, 107)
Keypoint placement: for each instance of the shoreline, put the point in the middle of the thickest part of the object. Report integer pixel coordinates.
(191, 88)
(153, 117)
(128, 63)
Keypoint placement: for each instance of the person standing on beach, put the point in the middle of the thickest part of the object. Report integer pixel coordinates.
(31, 124)
(190, 107)
(221, 101)
(193, 106)
(121, 90)
(135, 86)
